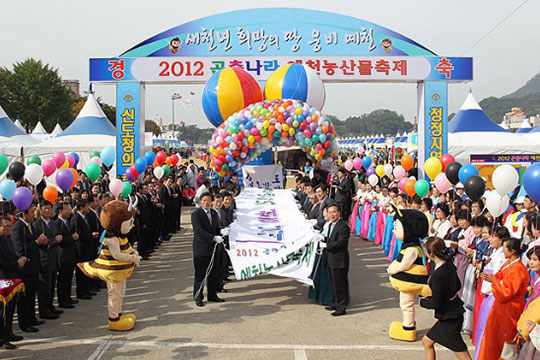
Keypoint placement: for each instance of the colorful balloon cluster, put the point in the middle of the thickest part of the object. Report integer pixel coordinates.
(258, 127)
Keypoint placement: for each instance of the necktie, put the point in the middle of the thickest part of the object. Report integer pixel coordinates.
(209, 216)
(30, 229)
(330, 229)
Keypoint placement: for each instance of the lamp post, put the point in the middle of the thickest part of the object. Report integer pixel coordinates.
(174, 96)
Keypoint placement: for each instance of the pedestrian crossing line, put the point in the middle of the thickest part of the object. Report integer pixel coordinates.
(100, 351)
(178, 344)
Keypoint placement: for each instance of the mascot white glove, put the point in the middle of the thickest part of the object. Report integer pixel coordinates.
(136, 259)
(225, 231)
(313, 222)
(218, 239)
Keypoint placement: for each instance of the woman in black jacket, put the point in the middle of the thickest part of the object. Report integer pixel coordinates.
(444, 284)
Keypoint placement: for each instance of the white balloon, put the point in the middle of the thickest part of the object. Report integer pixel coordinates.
(159, 172)
(505, 179)
(373, 179)
(388, 169)
(34, 174)
(496, 204)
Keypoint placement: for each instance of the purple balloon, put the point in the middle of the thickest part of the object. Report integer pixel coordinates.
(370, 171)
(22, 198)
(64, 179)
(313, 126)
(129, 176)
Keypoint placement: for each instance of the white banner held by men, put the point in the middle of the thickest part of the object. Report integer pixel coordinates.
(271, 235)
(263, 176)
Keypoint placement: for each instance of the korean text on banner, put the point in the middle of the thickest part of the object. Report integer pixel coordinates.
(270, 235)
(263, 176)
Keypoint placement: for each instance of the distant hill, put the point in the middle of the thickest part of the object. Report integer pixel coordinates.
(526, 97)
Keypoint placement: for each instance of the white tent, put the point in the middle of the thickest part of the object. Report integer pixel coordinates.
(471, 131)
(40, 133)
(11, 133)
(524, 128)
(18, 124)
(90, 131)
(57, 130)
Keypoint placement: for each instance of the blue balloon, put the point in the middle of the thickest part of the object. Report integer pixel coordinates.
(366, 162)
(141, 165)
(150, 157)
(77, 159)
(531, 181)
(466, 171)
(107, 156)
(7, 187)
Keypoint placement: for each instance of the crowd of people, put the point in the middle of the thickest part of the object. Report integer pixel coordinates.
(43, 244)
(495, 259)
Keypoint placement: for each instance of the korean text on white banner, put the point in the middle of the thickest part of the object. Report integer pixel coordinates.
(263, 176)
(270, 235)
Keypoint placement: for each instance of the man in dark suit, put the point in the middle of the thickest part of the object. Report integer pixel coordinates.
(221, 260)
(10, 267)
(96, 230)
(227, 208)
(337, 244)
(26, 243)
(48, 253)
(144, 219)
(67, 256)
(206, 230)
(343, 193)
(306, 204)
(85, 248)
(314, 208)
(166, 198)
(322, 194)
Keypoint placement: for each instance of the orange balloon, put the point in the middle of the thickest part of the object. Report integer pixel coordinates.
(407, 162)
(50, 193)
(168, 161)
(155, 164)
(409, 187)
(75, 177)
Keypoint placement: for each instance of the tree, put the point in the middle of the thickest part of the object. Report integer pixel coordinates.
(109, 110)
(151, 126)
(383, 121)
(35, 91)
(193, 133)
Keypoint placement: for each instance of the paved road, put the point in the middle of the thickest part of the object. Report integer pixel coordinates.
(264, 318)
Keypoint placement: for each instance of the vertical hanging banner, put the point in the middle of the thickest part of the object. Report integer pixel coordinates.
(436, 119)
(270, 235)
(128, 124)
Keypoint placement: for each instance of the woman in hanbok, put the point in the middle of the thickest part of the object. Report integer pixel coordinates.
(384, 200)
(509, 286)
(374, 213)
(441, 225)
(465, 238)
(357, 209)
(530, 351)
(367, 201)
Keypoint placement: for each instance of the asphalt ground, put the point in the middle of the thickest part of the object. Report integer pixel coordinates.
(267, 317)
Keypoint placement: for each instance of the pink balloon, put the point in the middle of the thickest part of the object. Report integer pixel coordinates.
(116, 186)
(442, 183)
(59, 159)
(399, 173)
(71, 160)
(96, 160)
(357, 163)
(348, 164)
(402, 184)
(49, 167)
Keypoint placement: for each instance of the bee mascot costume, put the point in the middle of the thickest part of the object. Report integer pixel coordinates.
(116, 260)
(408, 275)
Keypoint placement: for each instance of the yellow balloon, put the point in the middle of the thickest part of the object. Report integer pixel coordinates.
(65, 165)
(433, 167)
(251, 139)
(380, 170)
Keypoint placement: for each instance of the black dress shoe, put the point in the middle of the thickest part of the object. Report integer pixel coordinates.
(29, 329)
(49, 316)
(339, 313)
(8, 346)
(73, 301)
(37, 322)
(84, 297)
(56, 311)
(145, 257)
(216, 299)
(14, 337)
(199, 303)
(66, 306)
(223, 290)
(329, 308)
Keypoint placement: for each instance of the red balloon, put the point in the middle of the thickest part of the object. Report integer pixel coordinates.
(174, 159)
(446, 159)
(161, 157)
(133, 171)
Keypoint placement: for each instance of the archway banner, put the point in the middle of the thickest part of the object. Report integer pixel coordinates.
(343, 68)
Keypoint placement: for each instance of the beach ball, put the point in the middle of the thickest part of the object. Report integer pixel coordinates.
(298, 82)
(226, 92)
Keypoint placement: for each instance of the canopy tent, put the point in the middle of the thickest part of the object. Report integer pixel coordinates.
(57, 130)
(504, 126)
(524, 128)
(471, 131)
(40, 133)
(18, 124)
(90, 131)
(9, 132)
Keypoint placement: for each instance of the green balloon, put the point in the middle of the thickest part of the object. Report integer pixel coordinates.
(166, 170)
(34, 159)
(93, 171)
(127, 189)
(94, 154)
(3, 163)
(421, 187)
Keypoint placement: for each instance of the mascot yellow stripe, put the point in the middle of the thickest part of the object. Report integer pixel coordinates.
(413, 280)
